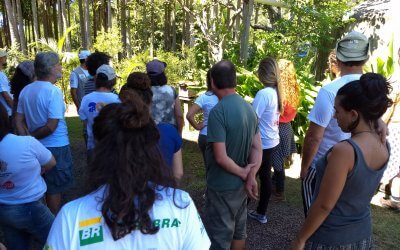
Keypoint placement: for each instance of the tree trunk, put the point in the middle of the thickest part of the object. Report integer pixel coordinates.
(59, 19)
(95, 19)
(123, 27)
(21, 31)
(12, 23)
(128, 33)
(82, 24)
(35, 20)
(65, 25)
(56, 20)
(87, 23)
(237, 23)
(244, 37)
(173, 25)
(109, 15)
(167, 26)
(152, 29)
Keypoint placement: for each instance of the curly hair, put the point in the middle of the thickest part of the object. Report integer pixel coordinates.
(368, 96)
(288, 82)
(95, 60)
(128, 162)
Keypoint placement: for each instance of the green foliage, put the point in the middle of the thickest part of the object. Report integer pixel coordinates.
(384, 65)
(109, 42)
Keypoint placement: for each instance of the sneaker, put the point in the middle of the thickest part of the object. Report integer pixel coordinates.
(390, 204)
(258, 217)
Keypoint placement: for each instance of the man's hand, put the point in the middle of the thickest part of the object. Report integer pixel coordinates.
(252, 187)
(246, 170)
(382, 130)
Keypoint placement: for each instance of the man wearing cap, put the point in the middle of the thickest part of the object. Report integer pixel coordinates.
(78, 79)
(6, 98)
(324, 132)
(166, 107)
(92, 103)
(40, 113)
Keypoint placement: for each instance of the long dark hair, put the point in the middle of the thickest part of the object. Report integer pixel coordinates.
(18, 81)
(128, 162)
(5, 126)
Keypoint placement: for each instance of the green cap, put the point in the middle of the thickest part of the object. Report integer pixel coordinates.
(353, 47)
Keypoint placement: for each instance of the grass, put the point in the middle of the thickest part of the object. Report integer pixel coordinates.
(386, 223)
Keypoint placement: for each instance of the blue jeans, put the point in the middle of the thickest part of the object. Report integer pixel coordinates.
(21, 222)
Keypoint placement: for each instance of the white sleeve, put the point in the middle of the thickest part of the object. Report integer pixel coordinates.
(323, 110)
(195, 234)
(43, 155)
(73, 80)
(59, 235)
(259, 104)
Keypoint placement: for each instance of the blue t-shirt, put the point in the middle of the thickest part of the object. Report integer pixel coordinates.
(170, 141)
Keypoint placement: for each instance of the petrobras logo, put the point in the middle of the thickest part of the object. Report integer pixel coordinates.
(90, 231)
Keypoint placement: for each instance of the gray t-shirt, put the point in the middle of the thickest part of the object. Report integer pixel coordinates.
(234, 122)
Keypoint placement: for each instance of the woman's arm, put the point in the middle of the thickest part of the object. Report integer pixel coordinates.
(177, 165)
(190, 117)
(178, 115)
(340, 162)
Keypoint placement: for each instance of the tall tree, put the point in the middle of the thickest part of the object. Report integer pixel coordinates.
(65, 24)
(12, 22)
(214, 32)
(86, 17)
(35, 20)
(21, 31)
(123, 27)
(109, 15)
(244, 37)
(82, 24)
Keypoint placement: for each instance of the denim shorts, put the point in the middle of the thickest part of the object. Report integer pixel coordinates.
(59, 179)
(22, 222)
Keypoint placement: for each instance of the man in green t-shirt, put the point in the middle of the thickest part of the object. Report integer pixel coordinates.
(233, 157)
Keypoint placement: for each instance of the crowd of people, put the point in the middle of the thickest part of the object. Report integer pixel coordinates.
(134, 155)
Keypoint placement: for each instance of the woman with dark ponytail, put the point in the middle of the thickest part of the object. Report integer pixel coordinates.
(132, 202)
(348, 175)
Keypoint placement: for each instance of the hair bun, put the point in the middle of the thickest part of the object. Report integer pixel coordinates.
(134, 114)
(375, 85)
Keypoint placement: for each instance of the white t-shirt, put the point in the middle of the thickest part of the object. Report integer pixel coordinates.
(266, 106)
(206, 102)
(40, 101)
(5, 87)
(80, 225)
(323, 111)
(90, 107)
(21, 158)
